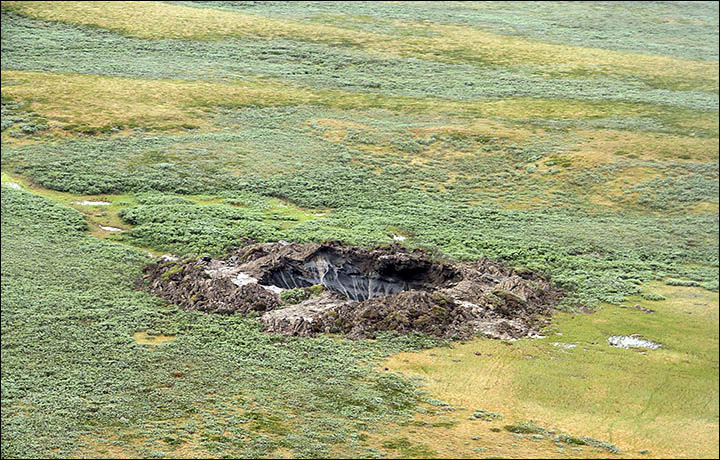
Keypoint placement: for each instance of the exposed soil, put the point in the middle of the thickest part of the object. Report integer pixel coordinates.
(358, 292)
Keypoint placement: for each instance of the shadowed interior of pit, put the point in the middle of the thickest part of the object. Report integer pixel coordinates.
(356, 278)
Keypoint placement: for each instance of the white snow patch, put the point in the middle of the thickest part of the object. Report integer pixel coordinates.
(275, 289)
(631, 341)
(567, 346)
(111, 229)
(93, 203)
(243, 279)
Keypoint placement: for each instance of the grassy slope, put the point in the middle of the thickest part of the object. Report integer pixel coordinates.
(594, 160)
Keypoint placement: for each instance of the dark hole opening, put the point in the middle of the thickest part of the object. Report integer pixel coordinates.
(358, 278)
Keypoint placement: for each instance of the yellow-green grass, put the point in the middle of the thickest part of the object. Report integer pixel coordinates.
(606, 146)
(102, 102)
(129, 443)
(664, 401)
(99, 102)
(453, 43)
(142, 337)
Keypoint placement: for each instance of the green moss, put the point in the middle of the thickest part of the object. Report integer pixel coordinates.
(525, 427)
(409, 449)
(174, 268)
(293, 296)
(586, 441)
(652, 296)
(316, 290)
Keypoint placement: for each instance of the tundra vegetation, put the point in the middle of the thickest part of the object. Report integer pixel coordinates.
(579, 140)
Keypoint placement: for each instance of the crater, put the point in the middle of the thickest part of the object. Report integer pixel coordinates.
(360, 276)
(310, 288)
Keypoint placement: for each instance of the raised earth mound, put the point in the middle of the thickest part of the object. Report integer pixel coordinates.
(308, 288)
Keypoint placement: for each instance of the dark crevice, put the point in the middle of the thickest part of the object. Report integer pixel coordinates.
(357, 278)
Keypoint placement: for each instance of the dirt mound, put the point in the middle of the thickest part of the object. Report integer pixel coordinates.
(309, 288)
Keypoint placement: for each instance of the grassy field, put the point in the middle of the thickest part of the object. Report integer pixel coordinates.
(664, 401)
(577, 139)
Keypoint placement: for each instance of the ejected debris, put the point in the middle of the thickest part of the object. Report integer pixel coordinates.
(358, 292)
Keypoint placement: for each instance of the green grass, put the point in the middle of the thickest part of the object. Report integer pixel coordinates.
(659, 28)
(78, 290)
(378, 181)
(453, 43)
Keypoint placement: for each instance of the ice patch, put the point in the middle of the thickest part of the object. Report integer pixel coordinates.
(631, 341)
(567, 346)
(93, 203)
(111, 229)
(243, 278)
(13, 185)
(534, 335)
(275, 289)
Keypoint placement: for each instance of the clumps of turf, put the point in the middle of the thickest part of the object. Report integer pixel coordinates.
(297, 295)
(311, 288)
(524, 427)
(486, 415)
(586, 441)
(686, 283)
(409, 449)
(652, 296)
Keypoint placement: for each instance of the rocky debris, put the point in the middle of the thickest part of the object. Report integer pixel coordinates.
(643, 309)
(188, 284)
(358, 292)
(305, 318)
(432, 313)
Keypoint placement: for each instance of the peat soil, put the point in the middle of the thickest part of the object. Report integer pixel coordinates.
(310, 288)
